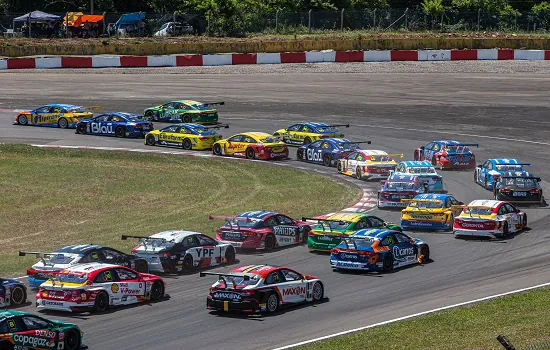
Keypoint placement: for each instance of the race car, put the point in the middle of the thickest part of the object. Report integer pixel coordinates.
(96, 287)
(449, 154)
(185, 111)
(23, 330)
(518, 187)
(117, 124)
(54, 115)
(63, 258)
(367, 164)
(186, 136)
(378, 250)
(252, 145)
(181, 251)
(430, 211)
(398, 187)
(262, 288)
(489, 218)
(327, 151)
(487, 173)
(328, 233)
(12, 293)
(261, 230)
(425, 172)
(306, 133)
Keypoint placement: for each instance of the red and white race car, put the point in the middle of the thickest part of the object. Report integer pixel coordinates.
(489, 218)
(96, 287)
(262, 288)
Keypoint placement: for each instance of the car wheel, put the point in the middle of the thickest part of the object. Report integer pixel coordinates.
(141, 266)
(120, 131)
(18, 296)
(300, 154)
(387, 264)
(339, 167)
(524, 221)
(186, 118)
(250, 154)
(150, 140)
(217, 150)
(81, 129)
(101, 303)
(424, 253)
(188, 263)
(307, 140)
(62, 123)
(451, 223)
(230, 255)
(269, 242)
(186, 144)
(22, 119)
(157, 291)
(327, 160)
(150, 115)
(305, 235)
(318, 291)
(358, 173)
(505, 230)
(72, 340)
(272, 303)
(434, 161)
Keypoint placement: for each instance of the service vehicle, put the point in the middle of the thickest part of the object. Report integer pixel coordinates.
(307, 132)
(448, 154)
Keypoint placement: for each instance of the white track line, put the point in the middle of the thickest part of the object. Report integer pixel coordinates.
(411, 316)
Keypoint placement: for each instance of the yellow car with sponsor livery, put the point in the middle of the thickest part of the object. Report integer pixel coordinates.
(252, 145)
(432, 211)
(55, 115)
(306, 133)
(186, 135)
(329, 232)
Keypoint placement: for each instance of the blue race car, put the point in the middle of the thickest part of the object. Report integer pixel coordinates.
(117, 124)
(378, 250)
(397, 188)
(12, 293)
(487, 173)
(447, 153)
(425, 172)
(431, 211)
(327, 151)
(306, 133)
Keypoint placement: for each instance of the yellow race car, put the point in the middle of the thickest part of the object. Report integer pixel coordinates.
(185, 135)
(306, 133)
(432, 211)
(252, 145)
(55, 115)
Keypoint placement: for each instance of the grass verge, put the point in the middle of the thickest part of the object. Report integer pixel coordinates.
(523, 318)
(54, 197)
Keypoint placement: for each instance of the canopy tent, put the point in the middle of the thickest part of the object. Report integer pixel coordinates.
(76, 19)
(131, 18)
(37, 16)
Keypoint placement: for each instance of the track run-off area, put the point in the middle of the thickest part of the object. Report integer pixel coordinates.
(506, 113)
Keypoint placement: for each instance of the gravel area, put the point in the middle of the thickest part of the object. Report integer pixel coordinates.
(500, 67)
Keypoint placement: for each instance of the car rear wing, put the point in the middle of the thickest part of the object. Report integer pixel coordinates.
(336, 125)
(522, 177)
(227, 277)
(217, 126)
(229, 218)
(422, 200)
(359, 142)
(91, 107)
(220, 103)
(41, 255)
(144, 240)
(322, 221)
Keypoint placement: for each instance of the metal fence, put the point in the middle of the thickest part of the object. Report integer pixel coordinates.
(379, 20)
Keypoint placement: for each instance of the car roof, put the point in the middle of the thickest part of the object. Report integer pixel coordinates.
(313, 124)
(401, 177)
(413, 163)
(504, 161)
(89, 268)
(490, 203)
(61, 105)
(344, 216)
(450, 142)
(259, 214)
(254, 134)
(373, 152)
(4, 314)
(336, 140)
(120, 114)
(432, 196)
(78, 248)
(517, 174)
(372, 232)
(262, 270)
(174, 235)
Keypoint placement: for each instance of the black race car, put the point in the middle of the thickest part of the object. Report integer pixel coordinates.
(79, 254)
(518, 187)
(12, 293)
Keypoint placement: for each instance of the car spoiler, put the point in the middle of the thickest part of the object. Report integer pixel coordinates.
(229, 218)
(217, 126)
(41, 255)
(146, 238)
(322, 221)
(335, 126)
(358, 142)
(522, 177)
(245, 276)
(220, 103)
(422, 200)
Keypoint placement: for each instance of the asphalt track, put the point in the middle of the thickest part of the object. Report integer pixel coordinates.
(505, 114)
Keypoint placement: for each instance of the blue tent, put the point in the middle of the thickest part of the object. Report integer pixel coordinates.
(37, 16)
(130, 18)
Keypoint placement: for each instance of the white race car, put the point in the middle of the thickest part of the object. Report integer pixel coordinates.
(367, 164)
(489, 218)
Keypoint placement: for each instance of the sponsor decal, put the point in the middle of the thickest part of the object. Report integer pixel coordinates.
(205, 252)
(34, 342)
(402, 252)
(44, 333)
(101, 129)
(227, 296)
(114, 288)
(129, 291)
(236, 145)
(472, 225)
(165, 137)
(284, 230)
(347, 264)
(294, 291)
(519, 194)
(39, 119)
(324, 238)
(232, 235)
(424, 224)
(348, 256)
(314, 155)
(52, 303)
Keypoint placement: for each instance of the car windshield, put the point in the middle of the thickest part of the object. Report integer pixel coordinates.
(521, 182)
(76, 109)
(70, 277)
(135, 118)
(380, 158)
(509, 167)
(399, 185)
(200, 106)
(421, 170)
(348, 146)
(332, 225)
(430, 204)
(478, 211)
(363, 241)
(456, 149)
(267, 139)
(201, 130)
(61, 258)
(239, 280)
(156, 243)
(243, 222)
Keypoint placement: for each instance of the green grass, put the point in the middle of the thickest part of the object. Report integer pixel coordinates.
(523, 318)
(54, 197)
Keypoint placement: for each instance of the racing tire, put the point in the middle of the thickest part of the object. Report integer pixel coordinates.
(230, 255)
(425, 251)
(81, 129)
(475, 176)
(186, 118)
(187, 263)
(318, 292)
(217, 149)
(339, 167)
(387, 265)
(72, 340)
(416, 155)
(272, 303)
(6, 346)
(434, 161)
(22, 120)
(358, 173)
(451, 222)
(269, 242)
(327, 160)
(18, 296)
(187, 144)
(250, 154)
(141, 266)
(150, 140)
(524, 221)
(150, 115)
(63, 123)
(505, 230)
(307, 140)
(157, 291)
(101, 303)
(300, 154)
(120, 131)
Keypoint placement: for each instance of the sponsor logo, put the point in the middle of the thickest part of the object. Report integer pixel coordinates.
(44, 333)
(346, 264)
(165, 137)
(416, 223)
(284, 230)
(236, 145)
(232, 235)
(311, 154)
(101, 129)
(226, 295)
(45, 119)
(519, 194)
(32, 341)
(324, 238)
(348, 256)
(294, 291)
(205, 252)
(471, 225)
(52, 303)
(114, 288)
(402, 252)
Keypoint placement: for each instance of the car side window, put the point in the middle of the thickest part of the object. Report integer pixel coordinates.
(376, 222)
(435, 147)
(353, 156)
(169, 129)
(184, 107)
(327, 145)
(284, 220)
(316, 144)
(274, 278)
(502, 210)
(510, 208)
(363, 223)
(295, 127)
(106, 276)
(291, 275)
(42, 110)
(32, 323)
(270, 222)
(401, 238)
(429, 145)
(126, 275)
(190, 242)
(388, 240)
(4, 327)
(249, 139)
(90, 257)
(168, 105)
(360, 157)
(205, 240)
(237, 138)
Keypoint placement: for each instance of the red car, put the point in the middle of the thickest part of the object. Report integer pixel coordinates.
(262, 230)
(262, 288)
(448, 154)
(251, 145)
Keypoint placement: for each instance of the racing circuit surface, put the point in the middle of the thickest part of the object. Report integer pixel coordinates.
(505, 113)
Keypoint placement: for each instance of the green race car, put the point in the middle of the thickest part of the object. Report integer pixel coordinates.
(22, 330)
(328, 232)
(184, 111)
